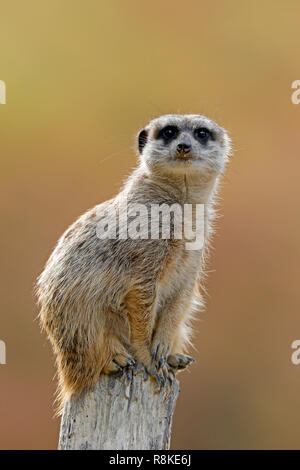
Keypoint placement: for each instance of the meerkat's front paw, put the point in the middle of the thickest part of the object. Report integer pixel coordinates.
(163, 377)
(151, 370)
(118, 364)
(159, 354)
(159, 367)
(179, 361)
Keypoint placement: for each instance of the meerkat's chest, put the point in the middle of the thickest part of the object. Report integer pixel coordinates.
(180, 271)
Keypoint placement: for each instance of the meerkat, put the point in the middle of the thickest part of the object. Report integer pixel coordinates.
(107, 304)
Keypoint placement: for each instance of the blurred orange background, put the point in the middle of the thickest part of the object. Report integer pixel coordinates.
(82, 77)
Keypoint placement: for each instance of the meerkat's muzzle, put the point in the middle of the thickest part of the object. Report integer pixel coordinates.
(183, 150)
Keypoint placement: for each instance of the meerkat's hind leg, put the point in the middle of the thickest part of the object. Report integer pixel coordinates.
(118, 363)
(116, 344)
(118, 357)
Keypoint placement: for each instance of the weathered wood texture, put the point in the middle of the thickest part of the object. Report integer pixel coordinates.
(123, 413)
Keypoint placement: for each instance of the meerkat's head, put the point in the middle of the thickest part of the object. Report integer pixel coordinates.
(184, 143)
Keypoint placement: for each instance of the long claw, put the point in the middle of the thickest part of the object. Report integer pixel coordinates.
(191, 359)
(153, 357)
(162, 381)
(170, 379)
(157, 378)
(161, 362)
(156, 352)
(172, 372)
(118, 365)
(130, 361)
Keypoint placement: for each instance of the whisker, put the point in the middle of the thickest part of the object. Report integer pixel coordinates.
(112, 155)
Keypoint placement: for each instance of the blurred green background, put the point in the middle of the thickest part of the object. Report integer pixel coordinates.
(82, 77)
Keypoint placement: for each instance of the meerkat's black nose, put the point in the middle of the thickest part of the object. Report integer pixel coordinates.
(183, 148)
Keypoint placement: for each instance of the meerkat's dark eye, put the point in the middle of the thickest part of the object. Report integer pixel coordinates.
(203, 134)
(168, 133)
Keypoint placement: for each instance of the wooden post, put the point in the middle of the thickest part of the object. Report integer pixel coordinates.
(125, 413)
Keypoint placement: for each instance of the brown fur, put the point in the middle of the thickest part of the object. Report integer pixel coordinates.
(103, 301)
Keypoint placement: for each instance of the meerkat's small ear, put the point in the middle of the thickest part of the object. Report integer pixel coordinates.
(142, 139)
